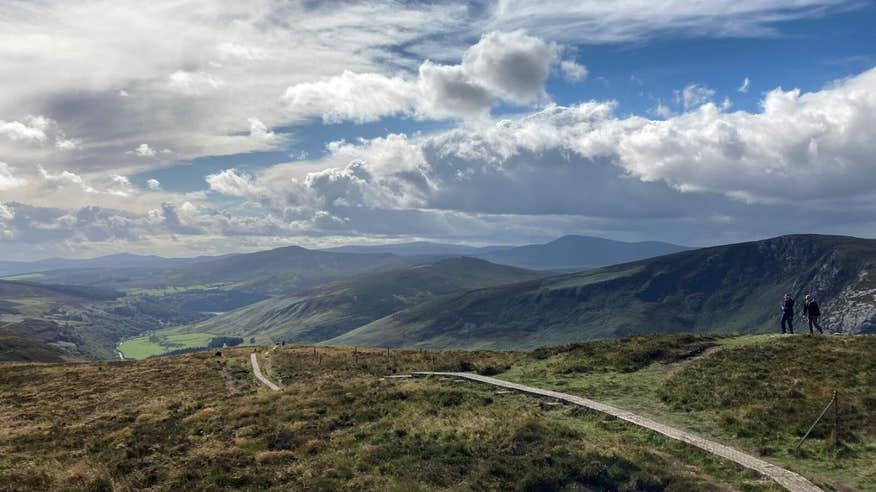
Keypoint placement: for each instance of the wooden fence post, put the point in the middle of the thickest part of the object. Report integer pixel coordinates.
(836, 428)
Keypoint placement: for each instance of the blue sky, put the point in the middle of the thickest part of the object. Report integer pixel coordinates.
(804, 54)
(211, 127)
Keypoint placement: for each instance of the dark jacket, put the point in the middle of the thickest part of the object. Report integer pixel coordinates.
(788, 308)
(811, 309)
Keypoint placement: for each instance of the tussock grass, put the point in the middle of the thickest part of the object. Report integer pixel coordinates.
(200, 422)
(757, 392)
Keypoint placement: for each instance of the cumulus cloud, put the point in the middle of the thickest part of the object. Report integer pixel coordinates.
(510, 67)
(153, 184)
(143, 150)
(573, 71)
(743, 88)
(813, 144)
(38, 130)
(17, 130)
(584, 160)
(230, 182)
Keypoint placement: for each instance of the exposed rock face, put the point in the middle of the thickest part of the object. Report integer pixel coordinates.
(853, 310)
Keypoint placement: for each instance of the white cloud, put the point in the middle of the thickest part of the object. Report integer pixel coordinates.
(16, 130)
(193, 83)
(153, 184)
(238, 51)
(573, 71)
(567, 160)
(352, 96)
(8, 180)
(230, 182)
(813, 145)
(143, 150)
(6, 213)
(510, 67)
(65, 178)
(694, 95)
(744, 87)
(662, 110)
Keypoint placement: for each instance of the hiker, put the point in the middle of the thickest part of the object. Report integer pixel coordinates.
(811, 311)
(787, 307)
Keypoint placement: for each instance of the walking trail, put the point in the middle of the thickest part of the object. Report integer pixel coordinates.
(786, 478)
(258, 373)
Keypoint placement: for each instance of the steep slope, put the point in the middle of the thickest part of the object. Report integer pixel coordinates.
(329, 310)
(733, 288)
(579, 252)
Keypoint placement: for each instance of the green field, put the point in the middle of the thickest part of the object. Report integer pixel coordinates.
(175, 289)
(149, 345)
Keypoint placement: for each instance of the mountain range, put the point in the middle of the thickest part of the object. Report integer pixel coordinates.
(567, 253)
(419, 299)
(733, 288)
(335, 308)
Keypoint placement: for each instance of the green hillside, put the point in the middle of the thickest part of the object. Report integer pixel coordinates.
(335, 308)
(200, 422)
(759, 393)
(733, 288)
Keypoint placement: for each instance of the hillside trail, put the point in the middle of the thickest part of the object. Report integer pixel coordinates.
(258, 373)
(786, 478)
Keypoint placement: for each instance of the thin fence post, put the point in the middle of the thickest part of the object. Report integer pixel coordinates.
(823, 412)
(836, 428)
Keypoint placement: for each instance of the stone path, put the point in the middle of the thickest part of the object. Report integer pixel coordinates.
(258, 373)
(786, 478)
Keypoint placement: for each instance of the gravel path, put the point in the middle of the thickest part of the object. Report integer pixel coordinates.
(786, 478)
(258, 373)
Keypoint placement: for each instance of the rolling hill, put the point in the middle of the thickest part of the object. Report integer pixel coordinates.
(122, 260)
(335, 308)
(732, 288)
(568, 253)
(419, 248)
(273, 272)
(579, 252)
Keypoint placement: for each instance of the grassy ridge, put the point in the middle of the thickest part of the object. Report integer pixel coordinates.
(759, 393)
(198, 422)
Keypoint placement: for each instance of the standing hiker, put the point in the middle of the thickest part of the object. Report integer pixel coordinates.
(787, 307)
(811, 311)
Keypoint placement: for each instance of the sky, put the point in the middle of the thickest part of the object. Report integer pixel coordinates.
(185, 128)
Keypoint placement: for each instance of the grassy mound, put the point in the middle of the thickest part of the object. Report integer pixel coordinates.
(758, 392)
(772, 392)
